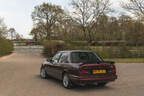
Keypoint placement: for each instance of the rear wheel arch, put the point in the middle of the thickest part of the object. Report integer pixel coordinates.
(68, 83)
(64, 72)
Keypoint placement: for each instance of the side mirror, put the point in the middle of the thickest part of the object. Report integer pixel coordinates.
(49, 60)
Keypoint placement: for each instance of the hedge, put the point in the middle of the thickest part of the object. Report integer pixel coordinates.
(119, 52)
(51, 47)
(6, 47)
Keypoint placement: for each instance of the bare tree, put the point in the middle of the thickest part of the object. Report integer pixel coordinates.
(47, 15)
(38, 32)
(134, 6)
(87, 13)
(12, 32)
(18, 36)
(3, 29)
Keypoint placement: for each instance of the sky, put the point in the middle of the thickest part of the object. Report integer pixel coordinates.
(17, 13)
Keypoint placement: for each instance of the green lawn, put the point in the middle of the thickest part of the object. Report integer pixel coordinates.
(126, 60)
(130, 47)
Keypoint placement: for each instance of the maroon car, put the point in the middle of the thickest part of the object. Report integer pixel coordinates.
(78, 67)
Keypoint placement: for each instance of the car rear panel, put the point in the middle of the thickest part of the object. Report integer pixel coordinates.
(89, 77)
(93, 68)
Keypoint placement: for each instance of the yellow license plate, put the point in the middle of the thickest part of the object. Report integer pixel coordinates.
(99, 71)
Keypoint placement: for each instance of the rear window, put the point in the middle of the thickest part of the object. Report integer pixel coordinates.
(85, 57)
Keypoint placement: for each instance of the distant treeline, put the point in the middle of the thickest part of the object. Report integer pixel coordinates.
(121, 51)
(94, 26)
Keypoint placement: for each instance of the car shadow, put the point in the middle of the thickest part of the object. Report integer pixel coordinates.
(50, 79)
(77, 88)
(91, 88)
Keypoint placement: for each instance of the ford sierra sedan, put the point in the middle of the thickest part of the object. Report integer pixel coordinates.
(78, 67)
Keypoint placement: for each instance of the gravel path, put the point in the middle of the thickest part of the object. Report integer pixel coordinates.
(19, 76)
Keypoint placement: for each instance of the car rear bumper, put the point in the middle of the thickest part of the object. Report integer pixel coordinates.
(83, 80)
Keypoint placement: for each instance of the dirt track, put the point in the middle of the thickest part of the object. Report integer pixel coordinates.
(19, 76)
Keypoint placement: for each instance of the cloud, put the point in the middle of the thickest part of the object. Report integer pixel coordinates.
(17, 13)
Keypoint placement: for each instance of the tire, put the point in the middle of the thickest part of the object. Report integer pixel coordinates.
(66, 82)
(43, 73)
(101, 84)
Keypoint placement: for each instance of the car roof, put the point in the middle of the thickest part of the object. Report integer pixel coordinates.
(75, 51)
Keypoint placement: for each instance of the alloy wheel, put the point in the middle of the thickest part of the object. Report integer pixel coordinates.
(43, 73)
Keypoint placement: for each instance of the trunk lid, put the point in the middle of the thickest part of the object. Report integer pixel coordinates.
(103, 68)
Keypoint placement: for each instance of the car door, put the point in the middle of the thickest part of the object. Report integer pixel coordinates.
(50, 67)
(60, 65)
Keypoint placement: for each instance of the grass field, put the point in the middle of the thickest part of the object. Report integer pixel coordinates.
(126, 60)
(130, 47)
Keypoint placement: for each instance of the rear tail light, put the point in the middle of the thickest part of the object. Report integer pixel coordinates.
(113, 70)
(84, 72)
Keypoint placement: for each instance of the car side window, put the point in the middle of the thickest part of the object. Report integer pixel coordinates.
(64, 58)
(56, 57)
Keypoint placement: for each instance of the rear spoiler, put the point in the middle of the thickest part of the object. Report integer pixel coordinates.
(111, 62)
(106, 62)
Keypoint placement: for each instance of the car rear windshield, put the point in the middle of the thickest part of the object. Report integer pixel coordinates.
(85, 57)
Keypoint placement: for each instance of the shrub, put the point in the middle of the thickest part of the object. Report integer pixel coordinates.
(118, 52)
(51, 47)
(108, 43)
(77, 43)
(121, 51)
(6, 47)
(104, 52)
(124, 52)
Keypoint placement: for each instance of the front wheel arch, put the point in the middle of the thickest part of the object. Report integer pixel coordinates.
(64, 72)
(43, 65)
(43, 68)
